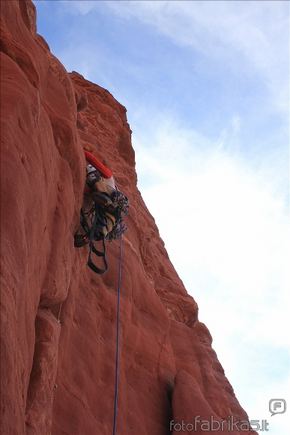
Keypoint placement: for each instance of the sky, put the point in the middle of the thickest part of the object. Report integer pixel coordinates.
(206, 86)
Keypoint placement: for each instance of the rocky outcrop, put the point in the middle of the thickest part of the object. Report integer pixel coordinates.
(57, 317)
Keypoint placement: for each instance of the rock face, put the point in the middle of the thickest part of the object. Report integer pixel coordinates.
(58, 318)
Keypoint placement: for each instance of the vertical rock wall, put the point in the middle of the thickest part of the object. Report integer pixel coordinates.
(57, 317)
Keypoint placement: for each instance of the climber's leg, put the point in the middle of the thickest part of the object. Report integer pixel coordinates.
(81, 236)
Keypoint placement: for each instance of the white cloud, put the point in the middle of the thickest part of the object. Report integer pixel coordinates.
(226, 227)
(251, 38)
(82, 7)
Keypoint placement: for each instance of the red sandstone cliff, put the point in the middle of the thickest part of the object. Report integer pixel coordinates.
(58, 377)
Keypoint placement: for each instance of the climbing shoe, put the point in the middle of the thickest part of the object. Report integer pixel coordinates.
(80, 240)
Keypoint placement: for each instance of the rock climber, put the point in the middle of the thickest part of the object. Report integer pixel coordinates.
(103, 207)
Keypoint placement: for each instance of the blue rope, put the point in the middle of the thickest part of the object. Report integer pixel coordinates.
(117, 340)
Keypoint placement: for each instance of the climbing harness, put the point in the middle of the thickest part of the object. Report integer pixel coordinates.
(117, 359)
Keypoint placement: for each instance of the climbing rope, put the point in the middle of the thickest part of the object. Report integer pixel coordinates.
(117, 339)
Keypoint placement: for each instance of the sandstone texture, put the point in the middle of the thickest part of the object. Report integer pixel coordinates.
(58, 318)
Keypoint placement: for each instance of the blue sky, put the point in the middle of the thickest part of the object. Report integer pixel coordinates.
(206, 86)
